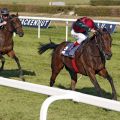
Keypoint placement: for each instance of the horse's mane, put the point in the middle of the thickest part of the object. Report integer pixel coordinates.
(89, 40)
(12, 16)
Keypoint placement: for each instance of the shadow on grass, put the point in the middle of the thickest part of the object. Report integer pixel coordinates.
(115, 44)
(89, 91)
(7, 73)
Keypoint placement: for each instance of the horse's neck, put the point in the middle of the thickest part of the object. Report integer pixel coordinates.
(8, 30)
(92, 48)
(5, 35)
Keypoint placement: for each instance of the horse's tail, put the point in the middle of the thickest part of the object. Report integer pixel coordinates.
(44, 47)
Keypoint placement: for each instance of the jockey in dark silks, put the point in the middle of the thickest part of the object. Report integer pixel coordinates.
(4, 16)
(3, 21)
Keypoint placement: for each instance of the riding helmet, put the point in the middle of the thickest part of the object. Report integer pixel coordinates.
(4, 11)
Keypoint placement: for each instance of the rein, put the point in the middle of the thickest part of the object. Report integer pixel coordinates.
(11, 24)
(99, 44)
(98, 36)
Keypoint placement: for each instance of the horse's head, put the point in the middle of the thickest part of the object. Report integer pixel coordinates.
(16, 25)
(104, 42)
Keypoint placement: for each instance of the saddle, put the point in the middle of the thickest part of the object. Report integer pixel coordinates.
(69, 50)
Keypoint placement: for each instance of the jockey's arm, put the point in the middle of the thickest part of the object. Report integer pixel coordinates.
(3, 23)
(93, 30)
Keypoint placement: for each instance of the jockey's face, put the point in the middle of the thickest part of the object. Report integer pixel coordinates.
(5, 16)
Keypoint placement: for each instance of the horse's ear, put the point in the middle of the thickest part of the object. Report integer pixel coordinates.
(17, 14)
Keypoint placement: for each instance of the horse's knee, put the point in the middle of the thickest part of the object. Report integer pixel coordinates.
(11, 54)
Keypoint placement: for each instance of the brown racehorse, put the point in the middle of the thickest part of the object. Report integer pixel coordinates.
(90, 59)
(6, 40)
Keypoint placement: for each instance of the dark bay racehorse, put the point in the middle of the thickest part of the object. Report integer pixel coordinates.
(90, 59)
(6, 40)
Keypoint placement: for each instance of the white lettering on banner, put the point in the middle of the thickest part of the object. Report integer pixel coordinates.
(103, 25)
(109, 27)
(34, 23)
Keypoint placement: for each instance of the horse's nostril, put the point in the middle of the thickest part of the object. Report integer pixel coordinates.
(110, 54)
(21, 34)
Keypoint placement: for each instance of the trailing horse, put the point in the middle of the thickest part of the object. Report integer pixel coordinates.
(89, 60)
(7, 43)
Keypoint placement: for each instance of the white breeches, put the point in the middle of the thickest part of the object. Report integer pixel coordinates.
(78, 36)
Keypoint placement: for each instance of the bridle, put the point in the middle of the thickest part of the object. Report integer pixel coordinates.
(12, 25)
(99, 42)
(15, 27)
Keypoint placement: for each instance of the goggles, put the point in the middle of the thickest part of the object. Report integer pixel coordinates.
(5, 15)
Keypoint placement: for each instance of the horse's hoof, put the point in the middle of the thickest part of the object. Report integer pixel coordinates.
(22, 78)
(1, 69)
(114, 98)
(51, 83)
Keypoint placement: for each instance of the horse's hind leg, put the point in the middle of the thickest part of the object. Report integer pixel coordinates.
(56, 67)
(73, 80)
(3, 62)
(12, 55)
(73, 76)
(105, 74)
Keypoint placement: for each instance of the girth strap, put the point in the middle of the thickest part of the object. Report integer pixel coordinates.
(74, 65)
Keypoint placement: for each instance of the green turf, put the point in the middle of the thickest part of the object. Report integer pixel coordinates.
(22, 105)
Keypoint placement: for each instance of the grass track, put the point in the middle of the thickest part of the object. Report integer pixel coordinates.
(22, 105)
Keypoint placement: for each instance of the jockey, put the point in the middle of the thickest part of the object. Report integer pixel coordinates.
(4, 16)
(80, 29)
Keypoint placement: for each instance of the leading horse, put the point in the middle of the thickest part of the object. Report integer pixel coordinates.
(90, 59)
(7, 43)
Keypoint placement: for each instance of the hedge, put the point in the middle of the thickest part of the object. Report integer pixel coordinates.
(104, 2)
(81, 11)
(36, 8)
(98, 11)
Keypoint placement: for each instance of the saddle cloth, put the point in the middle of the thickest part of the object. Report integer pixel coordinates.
(69, 50)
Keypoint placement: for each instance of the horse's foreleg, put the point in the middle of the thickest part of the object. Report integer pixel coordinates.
(105, 74)
(93, 79)
(12, 55)
(19, 67)
(3, 62)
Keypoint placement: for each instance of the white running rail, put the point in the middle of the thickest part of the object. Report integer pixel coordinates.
(59, 94)
(63, 20)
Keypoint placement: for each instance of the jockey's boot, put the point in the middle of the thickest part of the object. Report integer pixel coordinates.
(75, 47)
